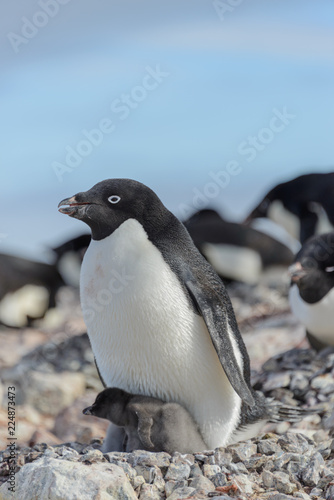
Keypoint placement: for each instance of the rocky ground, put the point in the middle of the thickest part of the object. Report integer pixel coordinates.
(52, 369)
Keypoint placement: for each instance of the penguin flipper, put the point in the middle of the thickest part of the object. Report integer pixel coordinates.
(214, 315)
(144, 426)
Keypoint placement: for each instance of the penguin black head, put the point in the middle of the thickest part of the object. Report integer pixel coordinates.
(313, 269)
(109, 203)
(110, 400)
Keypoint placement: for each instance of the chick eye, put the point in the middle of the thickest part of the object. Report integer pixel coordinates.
(114, 198)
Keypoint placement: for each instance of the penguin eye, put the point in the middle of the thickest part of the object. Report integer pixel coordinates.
(114, 198)
(329, 269)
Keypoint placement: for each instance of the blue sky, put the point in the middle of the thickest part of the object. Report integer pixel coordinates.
(226, 77)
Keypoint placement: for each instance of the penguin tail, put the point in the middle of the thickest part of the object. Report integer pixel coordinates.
(279, 412)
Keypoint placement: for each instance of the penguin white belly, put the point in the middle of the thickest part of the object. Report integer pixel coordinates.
(146, 337)
(239, 263)
(283, 217)
(318, 318)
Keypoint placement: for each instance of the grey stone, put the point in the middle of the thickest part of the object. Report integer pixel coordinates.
(171, 486)
(296, 464)
(244, 484)
(157, 479)
(294, 442)
(330, 492)
(130, 472)
(281, 496)
(210, 470)
(327, 476)
(146, 471)
(282, 460)
(242, 451)
(255, 463)
(299, 384)
(324, 449)
(268, 447)
(140, 457)
(93, 456)
(137, 481)
(218, 479)
(177, 472)
(52, 479)
(222, 458)
(238, 468)
(149, 492)
(195, 470)
(178, 458)
(202, 483)
(301, 494)
(311, 474)
(279, 481)
(276, 380)
(181, 493)
(114, 456)
(202, 458)
(316, 493)
(323, 383)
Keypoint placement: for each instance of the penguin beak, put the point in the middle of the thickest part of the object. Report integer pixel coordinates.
(73, 206)
(87, 411)
(296, 272)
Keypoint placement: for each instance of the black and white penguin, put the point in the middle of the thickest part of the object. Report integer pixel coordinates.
(304, 205)
(158, 316)
(149, 423)
(312, 289)
(236, 251)
(69, 257)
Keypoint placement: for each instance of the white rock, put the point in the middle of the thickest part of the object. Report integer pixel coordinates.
(52, 479)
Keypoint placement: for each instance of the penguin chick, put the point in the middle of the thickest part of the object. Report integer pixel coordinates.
(149, 423)
(312, 289)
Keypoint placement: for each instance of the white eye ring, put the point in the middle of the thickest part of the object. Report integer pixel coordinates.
(114, 198)
(329, 269)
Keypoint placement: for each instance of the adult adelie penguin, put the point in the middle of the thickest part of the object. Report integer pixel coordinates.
(236, 251)
(304, 205)
(158, 316)
(312, 289)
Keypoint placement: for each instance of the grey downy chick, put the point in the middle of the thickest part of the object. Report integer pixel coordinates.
(149, 423)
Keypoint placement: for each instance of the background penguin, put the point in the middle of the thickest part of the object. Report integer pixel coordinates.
(27, 289)
(69, 258)
(304, 205)
(312, 289)
(149, 423)
(236, 251)
(158, 316)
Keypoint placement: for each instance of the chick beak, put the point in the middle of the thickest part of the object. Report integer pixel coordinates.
(296, 272)
(87, 411)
